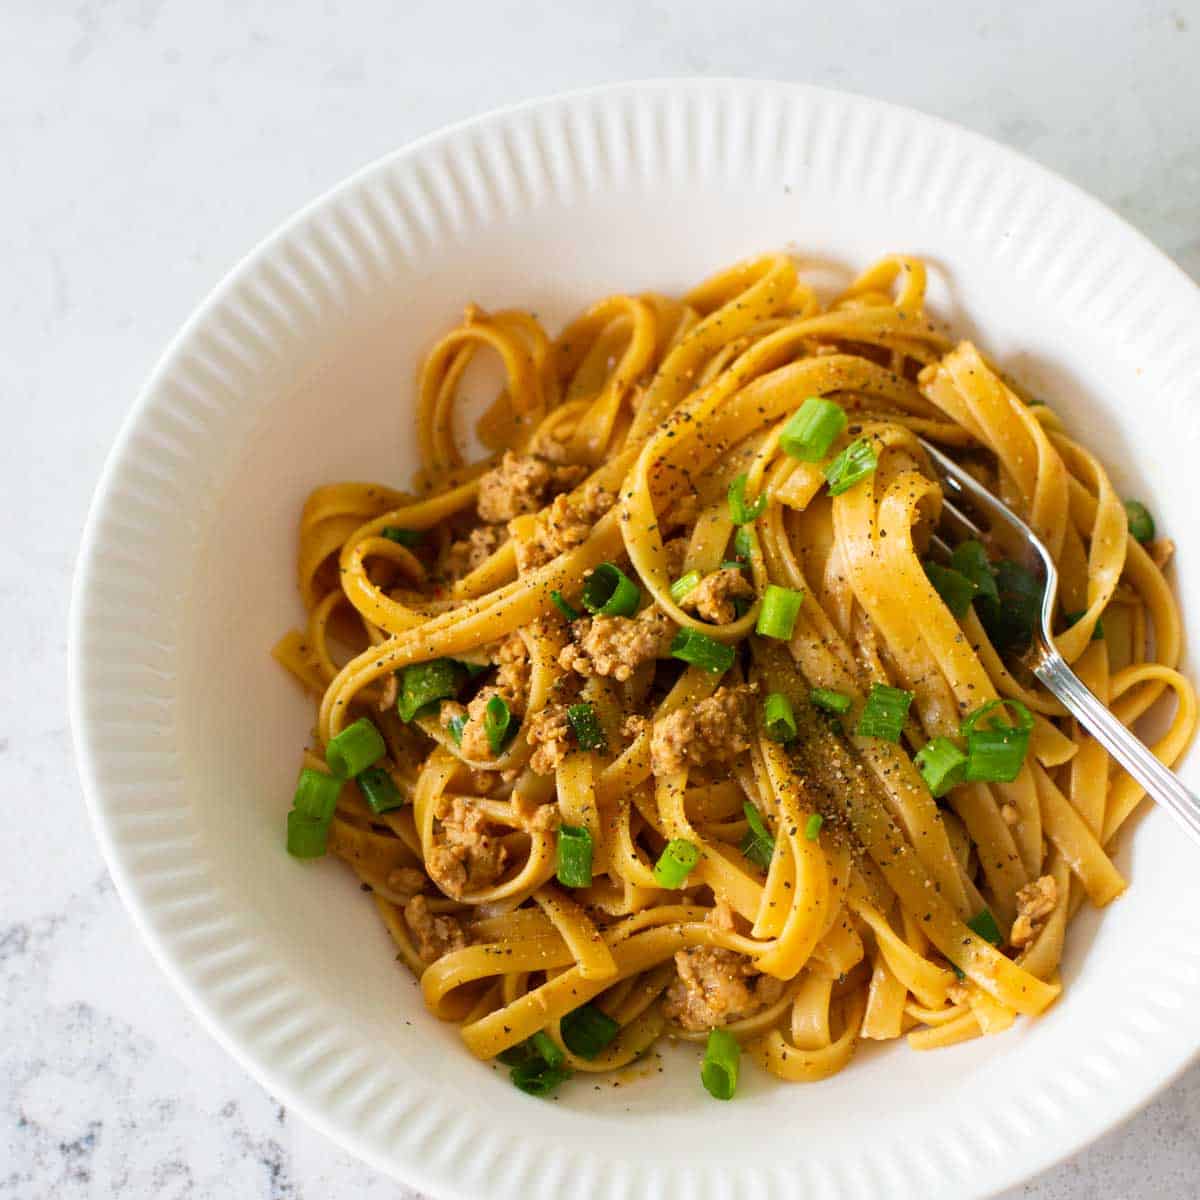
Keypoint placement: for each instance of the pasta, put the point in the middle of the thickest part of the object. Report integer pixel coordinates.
(667, 718)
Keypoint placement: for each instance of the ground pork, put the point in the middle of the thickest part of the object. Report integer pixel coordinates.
(406, 881)
(465, 855)
(714, 730)
(1035, 902)
(435, 935)
(712, 598)
(469, 553)
(617, 646)
(716, 987)
(562, 526)
(512, 678)
(675, 551)
(520, 484)
(549, 733)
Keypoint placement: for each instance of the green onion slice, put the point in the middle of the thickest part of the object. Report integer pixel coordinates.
(1141, 523)
(740, 512)
(884, 713)
(995, 752)
(543, 1045)
(316, 794)
(379, 790)
(719, 1070)
(830, 701)
(609, 592)
(455, 727)
(812, 827)
(942, 765)
(778, 718)
(427, 682)
(498, 724)
(852, 466)
(356, 748)
(971, 561)
(586, 1031)
(984, 924)
(684, 586)
(538, 1078)
(574, 855)
(675, 863)
(563, 607)
(586, 725)
(758, 845)
(702, 651)
(813, 429)
(955, 589)
(1010, 617)
(743, 542)
(405, 537)
(306, 836)
(777, 616)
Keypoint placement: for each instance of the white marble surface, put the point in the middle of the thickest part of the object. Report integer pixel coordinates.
(146, 145)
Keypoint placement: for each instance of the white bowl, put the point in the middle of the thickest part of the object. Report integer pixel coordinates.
(299, 370)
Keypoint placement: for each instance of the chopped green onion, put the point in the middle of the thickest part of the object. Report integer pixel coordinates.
(496, 724)
(472, 668)
(1074, 618)
(955, 589)
(563, 607)
(778, 718)
(701, 651)
(829, 700)
(306, 836)
(586, 1030)
(971, 561)
(884, 713)
(995, 752)
(538, 1078)
(812, 827)
(777, 617)
(741, 606)
(543, 1045)
(1010, 617)
(813, 429)
(758, 845)
(379, 789)
(587, 729)
(1141, 523)
(743, 542)
(740, 512)
(455, 727)
(405, 537)
(426, 682)
(609, 592)
(733, 564)
(675, 862)
(984, 924)
(316, 794)
(719, 1071)
(574, 856)
(942, 765)
(852, 466)
(356, 748)
(685, 585)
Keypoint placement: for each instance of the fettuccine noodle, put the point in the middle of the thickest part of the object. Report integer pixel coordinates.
(837, 892)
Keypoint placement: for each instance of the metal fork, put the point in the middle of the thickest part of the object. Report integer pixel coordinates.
(1044, 659)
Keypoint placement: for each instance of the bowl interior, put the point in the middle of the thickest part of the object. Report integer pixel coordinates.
(301, 371)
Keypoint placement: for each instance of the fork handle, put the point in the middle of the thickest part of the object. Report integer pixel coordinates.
(1159, 781)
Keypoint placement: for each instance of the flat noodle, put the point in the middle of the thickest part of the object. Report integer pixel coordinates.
(833, 897)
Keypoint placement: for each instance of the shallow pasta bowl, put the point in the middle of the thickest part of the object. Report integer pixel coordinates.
(299, 370)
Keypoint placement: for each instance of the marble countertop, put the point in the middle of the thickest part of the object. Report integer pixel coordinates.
(147, 145)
